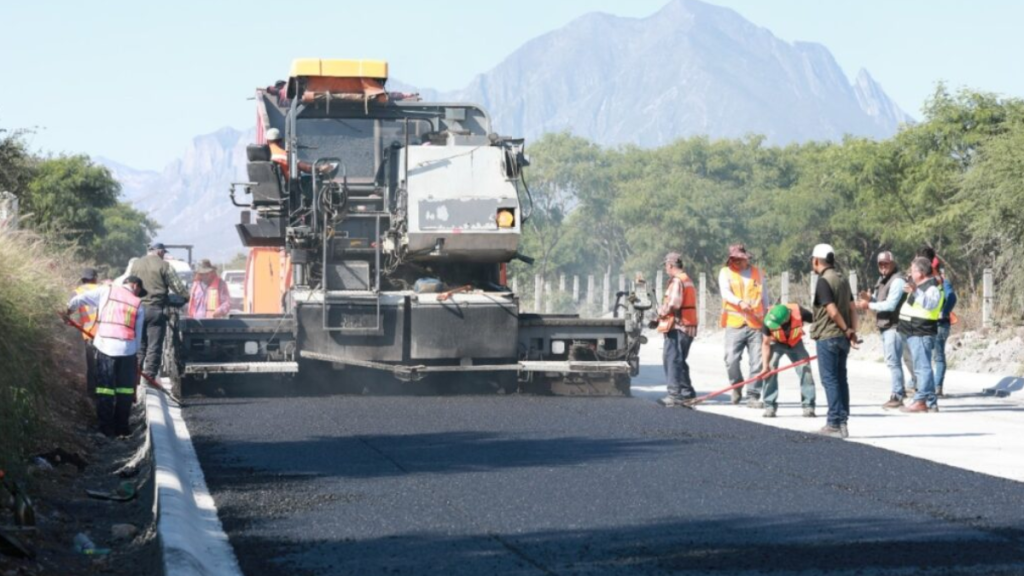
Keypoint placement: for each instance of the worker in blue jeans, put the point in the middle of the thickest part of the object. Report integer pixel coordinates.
(783, 332)
(946, 317)
(834, 330)
(919, 322)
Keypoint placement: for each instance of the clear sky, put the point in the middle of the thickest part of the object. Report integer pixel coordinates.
(135, 81)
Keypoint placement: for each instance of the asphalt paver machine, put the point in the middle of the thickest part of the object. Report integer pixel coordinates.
(394, 221)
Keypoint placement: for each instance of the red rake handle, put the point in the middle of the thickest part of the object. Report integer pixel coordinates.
(67, 320)
(754, 379)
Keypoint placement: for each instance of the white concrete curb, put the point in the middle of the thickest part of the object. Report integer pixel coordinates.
(191, 537)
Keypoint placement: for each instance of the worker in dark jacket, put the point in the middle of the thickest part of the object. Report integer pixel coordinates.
(886, 301)
(160, 280)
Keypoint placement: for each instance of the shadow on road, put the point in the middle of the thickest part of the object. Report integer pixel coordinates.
(375, 456)
(730, 545)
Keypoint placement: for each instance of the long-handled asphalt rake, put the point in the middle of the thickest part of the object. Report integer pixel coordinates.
(149, 380)
(696, 401)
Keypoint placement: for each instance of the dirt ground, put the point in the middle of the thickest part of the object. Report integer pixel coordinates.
(992, 351)
(73, 459)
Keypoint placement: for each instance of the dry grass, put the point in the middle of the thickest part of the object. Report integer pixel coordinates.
(39, 357)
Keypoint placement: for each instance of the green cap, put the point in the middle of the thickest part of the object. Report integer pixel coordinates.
(777, 316)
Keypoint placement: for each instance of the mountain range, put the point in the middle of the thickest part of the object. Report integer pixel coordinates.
(691, 68)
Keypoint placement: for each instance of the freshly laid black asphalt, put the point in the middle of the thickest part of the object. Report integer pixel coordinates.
(475, 485)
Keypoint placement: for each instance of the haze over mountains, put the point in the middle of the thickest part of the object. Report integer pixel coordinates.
(692, 68)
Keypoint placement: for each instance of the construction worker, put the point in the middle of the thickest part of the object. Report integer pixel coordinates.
(279, 155)
(85, 316)
(946, 320)
(744, 301)
(835, 331)
(119, 328)
(209, 297)
(677, 320)
(160, 279)
(919, 323)
(886, 300)
(783, 336)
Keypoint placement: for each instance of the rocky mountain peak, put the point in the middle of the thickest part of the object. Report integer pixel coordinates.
(692, 68)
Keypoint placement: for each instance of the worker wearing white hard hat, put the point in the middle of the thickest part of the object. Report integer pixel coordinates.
(834, 330)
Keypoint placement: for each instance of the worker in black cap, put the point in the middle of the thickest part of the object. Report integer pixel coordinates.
(85, 316)
(159, 279)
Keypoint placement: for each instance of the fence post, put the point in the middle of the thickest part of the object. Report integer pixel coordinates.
(515, 284)
(606, 300)
(784, 287)
(538, 292)
(8, 211)
(561, 283)
(548, 297)
(702, 299)
(659, 285)
(853, 284)
(591, 289)
(576, 289)
(988, 297)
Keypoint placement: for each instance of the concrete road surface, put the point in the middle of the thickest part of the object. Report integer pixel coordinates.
(494, 485)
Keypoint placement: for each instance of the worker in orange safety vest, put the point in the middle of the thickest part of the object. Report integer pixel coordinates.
(744, 301)
(677, 320)
(783, 332)
(279, 155)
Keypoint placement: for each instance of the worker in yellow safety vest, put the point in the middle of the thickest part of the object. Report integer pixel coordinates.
(85, 316)
(919, 324)
(210, 297)
(744, 301)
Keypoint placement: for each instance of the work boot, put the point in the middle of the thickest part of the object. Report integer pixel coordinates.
(736, 396)
(831, 431)
(893, 403)
(754, 402)
(769, 412)
(670, 401)
(933, 409)
(918, 407)
(844, 431)
(809, 412)
(938, 392)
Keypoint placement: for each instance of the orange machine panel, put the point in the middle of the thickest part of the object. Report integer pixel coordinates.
(265, 282)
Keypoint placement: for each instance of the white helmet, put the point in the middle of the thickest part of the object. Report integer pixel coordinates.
(273, 134)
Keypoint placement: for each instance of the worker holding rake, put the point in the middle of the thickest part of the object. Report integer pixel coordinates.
(783, 336)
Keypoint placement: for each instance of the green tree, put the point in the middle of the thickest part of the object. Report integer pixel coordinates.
(564, 168)
(16, 163)
(127, 232)
(66, 198)
(992, 193)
